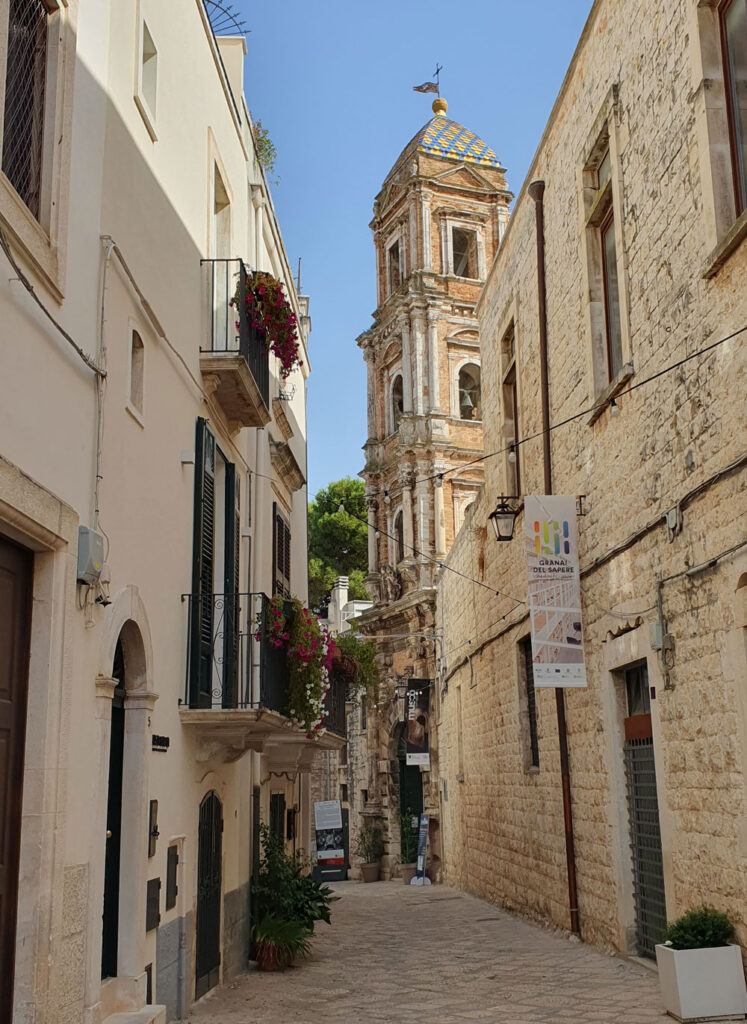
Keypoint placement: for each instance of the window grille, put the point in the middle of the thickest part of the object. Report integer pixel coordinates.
(25, 82)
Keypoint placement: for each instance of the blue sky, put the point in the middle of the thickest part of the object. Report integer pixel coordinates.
(332, 82)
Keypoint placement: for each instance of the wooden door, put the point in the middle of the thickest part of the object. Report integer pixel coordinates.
(110, 915)
(209, 873)
(16, 574)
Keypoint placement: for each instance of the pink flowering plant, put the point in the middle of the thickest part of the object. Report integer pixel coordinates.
(310, 653)
(268, 309)
(275, 624)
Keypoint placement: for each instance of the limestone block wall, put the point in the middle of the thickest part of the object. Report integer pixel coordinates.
(676, 440)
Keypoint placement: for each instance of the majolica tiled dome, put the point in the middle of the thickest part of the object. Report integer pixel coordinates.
(446, 138)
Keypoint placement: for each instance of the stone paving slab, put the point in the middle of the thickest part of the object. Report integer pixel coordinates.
(399, 955)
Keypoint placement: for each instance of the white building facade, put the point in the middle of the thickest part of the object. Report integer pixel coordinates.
(143, 725)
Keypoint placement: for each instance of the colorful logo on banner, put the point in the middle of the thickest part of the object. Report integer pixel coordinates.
(551, 535)
(417, 722)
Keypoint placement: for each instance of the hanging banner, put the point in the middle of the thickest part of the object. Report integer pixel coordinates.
(417, 721)
(419, 877)
(551, 534)
(330, 847)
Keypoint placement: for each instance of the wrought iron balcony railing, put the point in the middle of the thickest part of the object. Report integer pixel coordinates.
(230, 329)
(230, 664)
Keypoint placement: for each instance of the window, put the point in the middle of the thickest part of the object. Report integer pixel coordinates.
(469, 392)
(510, 397)
(25, 98)
(364, 796)
(281, 553)
(343, 793)
(343, 758)
(172, 867)
(637, 694)
(733, 25)
(146, 92)
(605, 281)
(363, 714)
(397, 402)
(399, 537)
(394, 268)
(214, 611)
(277, 816)
(464, 252)
(137, 368)
(528, 703)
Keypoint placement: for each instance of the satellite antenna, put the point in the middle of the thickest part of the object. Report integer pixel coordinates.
(224, 20)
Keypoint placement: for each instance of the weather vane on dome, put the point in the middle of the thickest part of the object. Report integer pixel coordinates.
(431, 86)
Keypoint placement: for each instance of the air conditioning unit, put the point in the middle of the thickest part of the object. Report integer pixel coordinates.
(90, 555)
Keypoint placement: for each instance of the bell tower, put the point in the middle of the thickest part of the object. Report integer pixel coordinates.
(437, 223)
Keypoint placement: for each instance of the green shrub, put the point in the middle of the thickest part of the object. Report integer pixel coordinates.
(408, 832)
(285, 890)
(277, 943)
(370, 844)
(701, 928)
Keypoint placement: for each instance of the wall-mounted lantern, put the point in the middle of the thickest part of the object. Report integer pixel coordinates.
(504, 516)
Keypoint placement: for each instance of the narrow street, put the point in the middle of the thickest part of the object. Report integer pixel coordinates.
(399, 955)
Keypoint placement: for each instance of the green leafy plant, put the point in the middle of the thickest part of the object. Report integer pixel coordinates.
(267, 154)
(284, 888)
(701, 928)
(278, 942)
(370, 843)
(408, 832)
(363, 654)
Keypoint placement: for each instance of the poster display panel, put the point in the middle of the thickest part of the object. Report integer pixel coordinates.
(330, 846)
(551, 536)
(417, 721)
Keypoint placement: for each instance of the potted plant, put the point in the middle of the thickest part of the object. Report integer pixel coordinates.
(408, 831)
(700, 972)
(369, 848)
(277, 942)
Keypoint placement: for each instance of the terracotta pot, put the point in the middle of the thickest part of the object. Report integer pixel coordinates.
(408, 872)
(269, 958)
(370, 872)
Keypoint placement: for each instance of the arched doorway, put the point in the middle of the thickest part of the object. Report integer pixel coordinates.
(110, 916)
(209, 855)
(410, 781)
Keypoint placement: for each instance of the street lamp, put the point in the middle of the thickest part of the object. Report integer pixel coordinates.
(504, 517)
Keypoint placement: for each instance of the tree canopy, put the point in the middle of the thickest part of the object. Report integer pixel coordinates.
(338, 541)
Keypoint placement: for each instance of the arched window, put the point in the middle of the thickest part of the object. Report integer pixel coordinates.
(469, 392)
(399, 537)
(397, 401)
(137, 368)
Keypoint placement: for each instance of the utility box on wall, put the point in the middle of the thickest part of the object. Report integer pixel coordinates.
(90, 555)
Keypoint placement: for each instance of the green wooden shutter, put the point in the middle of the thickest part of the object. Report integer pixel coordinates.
(231, 589)
(281, 553)
(201, 626)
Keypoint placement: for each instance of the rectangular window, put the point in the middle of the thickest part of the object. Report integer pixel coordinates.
(394, 268)
(146, 85)
(510, 396)
(464, 252)
(152, 904)
(733, 24)
(611, 296)
(343, 794)
(528, 702)
(363, 714)
(343, 754)
(25, 98)
(137, 370)
(277, 815)
(281, 556)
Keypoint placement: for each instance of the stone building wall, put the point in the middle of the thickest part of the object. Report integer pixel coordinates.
(679, 439)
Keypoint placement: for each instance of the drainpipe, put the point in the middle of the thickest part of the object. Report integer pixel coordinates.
(536, 192)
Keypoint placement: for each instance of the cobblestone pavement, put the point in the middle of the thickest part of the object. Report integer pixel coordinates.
(396, 955)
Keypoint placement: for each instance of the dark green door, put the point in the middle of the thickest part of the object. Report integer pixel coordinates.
(410, 784)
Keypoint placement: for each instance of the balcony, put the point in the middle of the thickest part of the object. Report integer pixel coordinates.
(236, 693)
(234, 363)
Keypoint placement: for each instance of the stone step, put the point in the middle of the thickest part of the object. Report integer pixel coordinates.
(148, 1015)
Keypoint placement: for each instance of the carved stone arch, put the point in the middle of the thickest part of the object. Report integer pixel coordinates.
(393, 352)
(127, 621)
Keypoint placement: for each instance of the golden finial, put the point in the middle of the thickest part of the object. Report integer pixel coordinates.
(440, 106)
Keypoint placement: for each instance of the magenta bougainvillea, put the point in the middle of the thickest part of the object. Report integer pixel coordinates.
(310, 650)
(276, 627)
(310, 653)
(268, 310)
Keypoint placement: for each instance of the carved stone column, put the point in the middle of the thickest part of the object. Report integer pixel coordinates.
(373, 548)
(370, 357)
(439, 516)
(406, 480)
(407, 389)
(426, 230)
(434, 395)
(418, 349)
